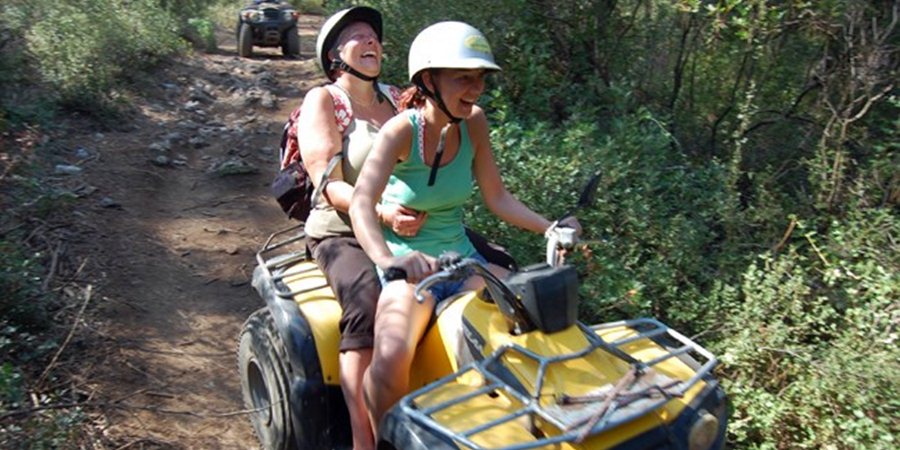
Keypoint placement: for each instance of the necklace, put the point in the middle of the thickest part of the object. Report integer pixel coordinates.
(354, 100)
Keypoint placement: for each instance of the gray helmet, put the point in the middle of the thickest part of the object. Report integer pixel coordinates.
(450, 45)
(335, 24)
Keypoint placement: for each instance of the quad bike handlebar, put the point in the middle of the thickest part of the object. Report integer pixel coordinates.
(455, 268)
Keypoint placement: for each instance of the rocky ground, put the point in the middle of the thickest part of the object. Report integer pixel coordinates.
(169, 209)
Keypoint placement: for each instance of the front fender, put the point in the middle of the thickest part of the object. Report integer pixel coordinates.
(318, 412)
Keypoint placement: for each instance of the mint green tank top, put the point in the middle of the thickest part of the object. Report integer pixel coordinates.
(408, 185)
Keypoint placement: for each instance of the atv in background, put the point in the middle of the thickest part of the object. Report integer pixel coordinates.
(268, 23)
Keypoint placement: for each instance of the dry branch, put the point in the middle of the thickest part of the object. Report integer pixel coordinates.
(87, 298)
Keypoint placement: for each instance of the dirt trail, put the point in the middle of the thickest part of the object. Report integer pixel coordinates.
(169, 244)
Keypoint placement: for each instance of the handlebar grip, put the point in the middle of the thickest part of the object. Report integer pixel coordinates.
(394, 273)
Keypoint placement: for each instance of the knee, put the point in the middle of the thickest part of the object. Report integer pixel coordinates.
(390, 361)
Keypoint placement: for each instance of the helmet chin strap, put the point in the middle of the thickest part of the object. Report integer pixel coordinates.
(339, 64)
(436, 95)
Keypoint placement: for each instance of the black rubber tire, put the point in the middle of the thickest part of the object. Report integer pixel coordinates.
(264, 382)
(384, 445)
(245, 41)
(291, 46)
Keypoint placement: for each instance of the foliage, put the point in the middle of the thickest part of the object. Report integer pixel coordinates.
(19, 282)
(654, 222)
(749, 152)
(750, 191)
(813, 339)
(27, 306)
(101, 39)
(83, 52)
(204, 30)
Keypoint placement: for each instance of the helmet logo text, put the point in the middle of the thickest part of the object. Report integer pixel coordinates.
(477, 43)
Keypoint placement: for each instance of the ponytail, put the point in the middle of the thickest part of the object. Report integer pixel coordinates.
(411, 97)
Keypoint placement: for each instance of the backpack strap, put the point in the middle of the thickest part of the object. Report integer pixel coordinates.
(392, 93)
(343, 108)
(324, 180)
(343, 116)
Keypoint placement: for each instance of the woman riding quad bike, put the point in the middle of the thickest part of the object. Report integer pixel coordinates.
(507, 366)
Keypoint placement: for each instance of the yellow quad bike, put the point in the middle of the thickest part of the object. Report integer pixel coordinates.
(506, 367)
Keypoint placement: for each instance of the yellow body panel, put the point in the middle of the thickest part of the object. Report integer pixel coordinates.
(434, 359)
(477, 411)
(437, 353)
(322, 311)
(576, 377)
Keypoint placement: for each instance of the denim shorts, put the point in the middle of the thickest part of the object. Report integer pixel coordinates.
(445, 289)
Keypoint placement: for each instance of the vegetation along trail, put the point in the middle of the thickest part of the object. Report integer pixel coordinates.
(169, 214)
(750, 199)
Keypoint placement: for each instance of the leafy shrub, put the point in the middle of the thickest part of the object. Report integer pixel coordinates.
(27, 332)
(654, 233)
(82, 48)
(203, 33)
(809, 347)
(19, 285)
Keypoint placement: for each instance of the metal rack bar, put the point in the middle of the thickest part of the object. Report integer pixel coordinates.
(645, 328)
(273, 266)
(446, 404)
(498, 421)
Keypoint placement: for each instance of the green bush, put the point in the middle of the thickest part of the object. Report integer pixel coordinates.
(653, 234)
(83, 48)
(20, 280)
(809, 347)
(204, 32)
(28, 332)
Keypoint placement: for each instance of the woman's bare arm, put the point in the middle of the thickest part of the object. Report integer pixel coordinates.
(500, 201)
(395, 136)
(319, 141)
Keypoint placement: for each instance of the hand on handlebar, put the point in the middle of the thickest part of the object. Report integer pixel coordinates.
(562, 237)
(570, 222)
(415, 265)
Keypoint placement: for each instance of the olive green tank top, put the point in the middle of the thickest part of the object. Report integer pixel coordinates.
(358, 137)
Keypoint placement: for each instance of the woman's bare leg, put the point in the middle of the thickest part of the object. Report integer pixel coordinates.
(399, 324)
(353, 365)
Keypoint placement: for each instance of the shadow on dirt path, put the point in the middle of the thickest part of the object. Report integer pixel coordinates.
(175, 208)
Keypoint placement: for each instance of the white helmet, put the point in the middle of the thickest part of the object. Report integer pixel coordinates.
(450, 45)
(332, 28)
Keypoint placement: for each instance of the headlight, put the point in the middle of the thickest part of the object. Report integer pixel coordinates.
(704, 431)
(290, 14)
(251, 16)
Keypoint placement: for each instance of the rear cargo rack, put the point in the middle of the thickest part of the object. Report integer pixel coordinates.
(575, 418)
(275, 266)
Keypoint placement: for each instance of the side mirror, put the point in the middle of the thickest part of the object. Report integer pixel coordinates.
(588, 194)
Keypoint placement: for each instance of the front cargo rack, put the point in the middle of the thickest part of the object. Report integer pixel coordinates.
(640, 391)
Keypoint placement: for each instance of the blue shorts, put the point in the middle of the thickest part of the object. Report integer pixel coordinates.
(445, 289)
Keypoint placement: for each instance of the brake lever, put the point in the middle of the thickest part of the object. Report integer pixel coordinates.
(446, 261)
(429, 281)
(455, 268)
